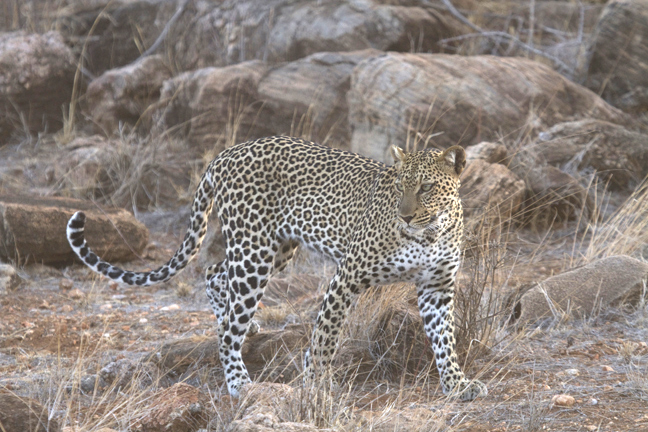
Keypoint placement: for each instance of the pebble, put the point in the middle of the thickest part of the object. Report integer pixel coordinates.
(66, 284)
(76, 294)
(170, 307)
(563, 400)
(607, 368)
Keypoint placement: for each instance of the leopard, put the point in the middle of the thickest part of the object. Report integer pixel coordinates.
(379, 223)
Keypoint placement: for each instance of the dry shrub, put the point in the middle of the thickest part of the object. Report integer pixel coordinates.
(625, 232)
(132, 172)
(479, 304)
(383, 336)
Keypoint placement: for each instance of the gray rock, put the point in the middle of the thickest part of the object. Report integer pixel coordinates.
(9, 279)
(490, 190)
(583, 291)
(214, 107)
(553, 198)
(121, 96)
(465, 99)
(616, 67)
(614, 152)
(487, 151)
(35, 84)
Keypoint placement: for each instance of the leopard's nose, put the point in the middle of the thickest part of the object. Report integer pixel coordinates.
(407, 219)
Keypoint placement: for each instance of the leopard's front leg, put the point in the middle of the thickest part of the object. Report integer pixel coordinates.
(337, 300)
(436, 305)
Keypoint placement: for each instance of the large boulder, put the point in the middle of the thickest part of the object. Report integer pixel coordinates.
(464, 99)
(35, 84)
(121, 96)
(32, 229)
(234, 31)
(249, 100)
(583, 291)
(204, 33)
(616, 67)
(616, 153)
(19, 414)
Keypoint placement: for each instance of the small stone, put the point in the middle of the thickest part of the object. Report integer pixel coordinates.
(593, 401)
(88, 383)
(608, 388)
(607, 368)
(569, 372)
(563, 400)
(76, 294)
(66, 284)
(106, 306)
(170, 307)
(143, 320)
(591, 427)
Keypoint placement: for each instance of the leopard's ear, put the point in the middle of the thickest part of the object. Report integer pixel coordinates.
(454, 159)
(398, 154)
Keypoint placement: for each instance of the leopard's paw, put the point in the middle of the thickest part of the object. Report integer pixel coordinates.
(469, 390)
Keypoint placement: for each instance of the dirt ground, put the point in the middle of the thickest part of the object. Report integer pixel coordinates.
(63, 324)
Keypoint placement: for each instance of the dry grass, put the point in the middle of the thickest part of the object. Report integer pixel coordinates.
(625, 232)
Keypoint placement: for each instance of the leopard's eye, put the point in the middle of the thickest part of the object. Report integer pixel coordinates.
(427, 187)
(398, 186)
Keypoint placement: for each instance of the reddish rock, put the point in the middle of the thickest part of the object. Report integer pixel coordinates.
(19, 414)
(179, 408)
(32, 229)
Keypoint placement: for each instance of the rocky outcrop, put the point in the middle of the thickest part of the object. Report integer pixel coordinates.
(179, 408)
(121, 96)
(616, 67)
(464, 99)
(32, 229)
(583, 291)
(614, 152)
(234, 31)
(20, 414)
(212, 106)
(203, 34)
(35, 84)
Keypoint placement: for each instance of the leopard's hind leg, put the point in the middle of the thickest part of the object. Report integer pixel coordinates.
(218, 290)
(249, 266)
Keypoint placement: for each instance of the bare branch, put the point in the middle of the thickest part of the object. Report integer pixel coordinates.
(499, 34)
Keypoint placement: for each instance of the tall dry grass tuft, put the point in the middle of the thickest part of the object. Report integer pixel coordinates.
(132, 172)
(480, 306)
(625, 232)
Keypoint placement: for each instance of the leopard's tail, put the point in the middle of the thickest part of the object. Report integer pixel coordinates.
(200, 210)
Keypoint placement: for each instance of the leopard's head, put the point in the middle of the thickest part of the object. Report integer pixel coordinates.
(428, 186)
